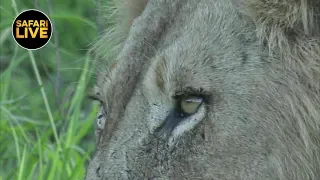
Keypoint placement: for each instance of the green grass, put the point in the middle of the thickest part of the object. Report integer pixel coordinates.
(46, 132)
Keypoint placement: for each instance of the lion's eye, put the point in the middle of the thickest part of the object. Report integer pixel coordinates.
(190, 104)
(101, 118)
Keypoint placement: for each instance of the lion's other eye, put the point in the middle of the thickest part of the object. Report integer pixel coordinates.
(101, 118)
(190, 104)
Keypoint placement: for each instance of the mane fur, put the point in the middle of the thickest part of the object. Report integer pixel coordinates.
(290, 29)
(118, 16)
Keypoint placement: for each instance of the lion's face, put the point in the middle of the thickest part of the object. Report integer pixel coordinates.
(194, 96)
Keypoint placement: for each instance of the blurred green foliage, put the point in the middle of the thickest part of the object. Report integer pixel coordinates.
(28, 146)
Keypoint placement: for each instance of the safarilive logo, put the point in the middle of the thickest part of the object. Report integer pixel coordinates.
(32, 29)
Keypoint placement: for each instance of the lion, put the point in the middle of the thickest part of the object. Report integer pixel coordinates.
(209, 89)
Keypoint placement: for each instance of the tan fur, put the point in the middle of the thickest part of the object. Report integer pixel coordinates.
(256, 61)
(119, 14)
(292, 30)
